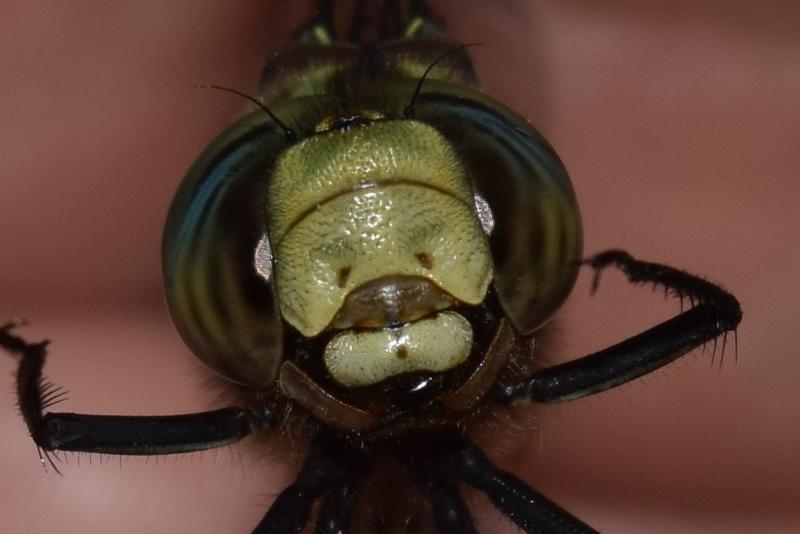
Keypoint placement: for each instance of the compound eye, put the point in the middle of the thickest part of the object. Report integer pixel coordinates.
(217, 260)
(523, 198)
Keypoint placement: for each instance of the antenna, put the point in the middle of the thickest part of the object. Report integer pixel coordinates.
(290, 134)
(408, 112)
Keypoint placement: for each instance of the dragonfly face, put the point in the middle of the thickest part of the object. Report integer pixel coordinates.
(388, 222)
(374, 255)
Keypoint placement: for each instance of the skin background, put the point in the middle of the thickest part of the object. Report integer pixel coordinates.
(679, 124)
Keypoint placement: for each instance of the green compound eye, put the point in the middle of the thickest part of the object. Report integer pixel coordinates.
(536, 238)
(216, 258)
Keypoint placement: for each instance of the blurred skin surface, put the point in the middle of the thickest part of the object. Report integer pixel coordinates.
(679, 123)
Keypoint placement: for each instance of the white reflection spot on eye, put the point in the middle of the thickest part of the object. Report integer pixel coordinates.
(263, 258)
(485, 215)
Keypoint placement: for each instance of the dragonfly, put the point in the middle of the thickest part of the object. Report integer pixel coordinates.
(369, 256)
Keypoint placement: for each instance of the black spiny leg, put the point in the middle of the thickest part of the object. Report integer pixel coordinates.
(714, 312)
(450, 513)
(435, 476)
(139, 435)
(527, 508)
(337, 506)
(291, 510)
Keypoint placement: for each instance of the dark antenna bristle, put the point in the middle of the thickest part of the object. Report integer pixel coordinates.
(409, 111)
(288, 132)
